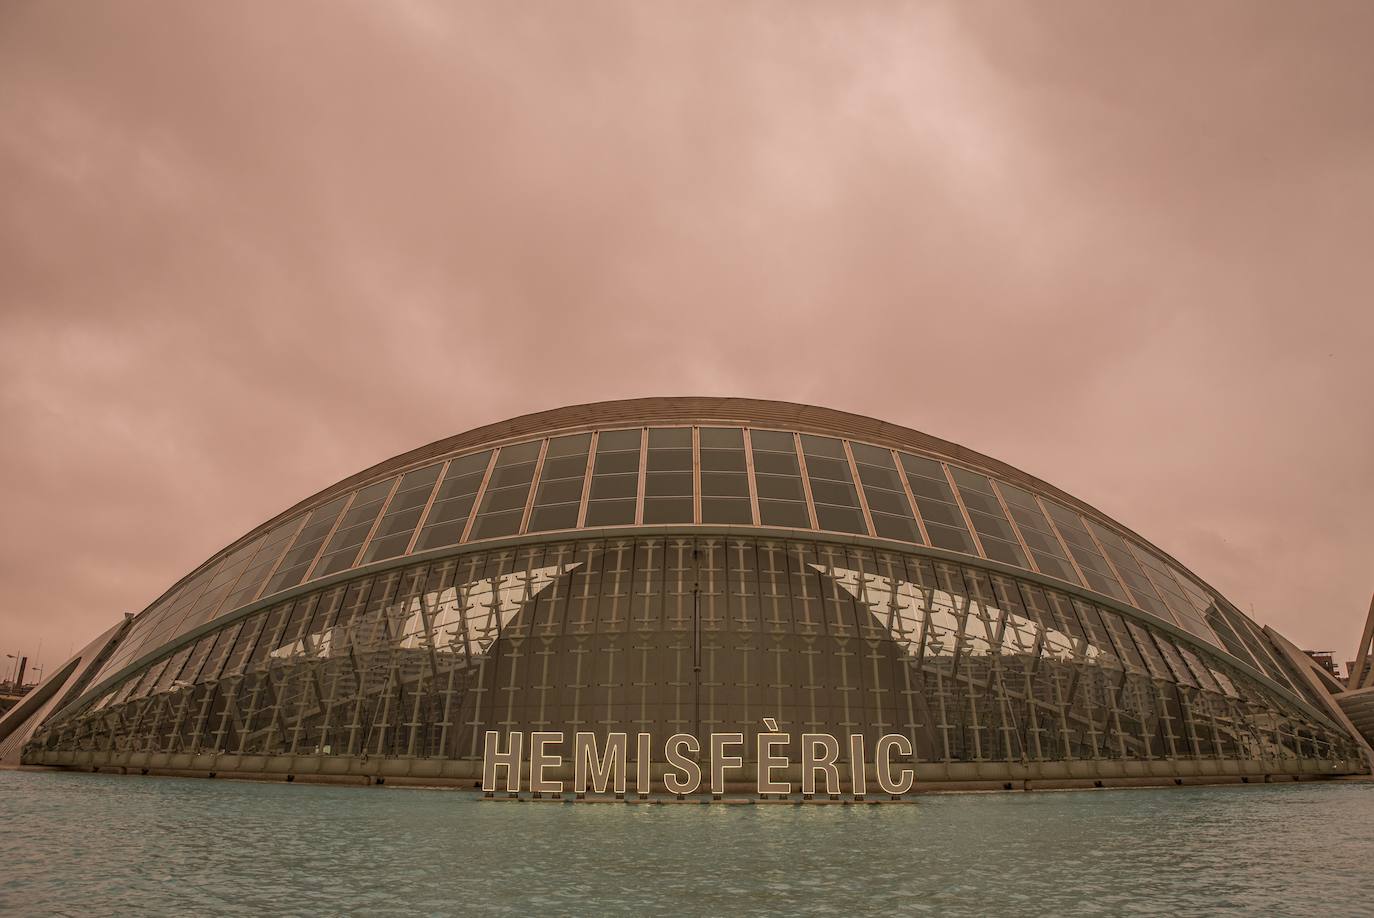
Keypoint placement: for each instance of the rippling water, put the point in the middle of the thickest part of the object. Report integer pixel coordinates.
(94, 844)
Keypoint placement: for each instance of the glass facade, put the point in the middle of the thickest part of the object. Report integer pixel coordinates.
(677, 634)
(797, 574)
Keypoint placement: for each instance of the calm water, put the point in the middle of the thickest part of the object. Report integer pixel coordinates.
(91, 844)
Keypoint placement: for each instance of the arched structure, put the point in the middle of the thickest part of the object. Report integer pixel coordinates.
(693, 566)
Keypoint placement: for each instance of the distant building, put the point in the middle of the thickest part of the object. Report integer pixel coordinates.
(1327, 661)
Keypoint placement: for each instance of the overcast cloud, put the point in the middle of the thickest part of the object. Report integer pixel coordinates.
(247, 249)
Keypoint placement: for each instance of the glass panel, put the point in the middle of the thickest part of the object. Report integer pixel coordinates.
(344, 546)
(777, 475)
(724, 477)
(503, 502)
(668, 476)
(615, 478)
(887, 502)
(211, 597)
(1085, 552)
(246, 589)
(935, 501)
(559, 495)
(1259, 647)
(302, 554)
(1166, 587)
(402, 515)
(1035, 531)
(994, 530)
(972, 667)
(1199, 604)
(832, 485)
(448, 517)
(1142, 590)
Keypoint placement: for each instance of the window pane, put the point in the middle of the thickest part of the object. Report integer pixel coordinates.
(832, 485)
(726, 510)
(935, 501)
(777, 477)
(558, 498)
(453, 502)
(302, 554)
(346, 543)
(668, 476)
(990, 521)
(1085, 552)
(615, 478)
(503, 502)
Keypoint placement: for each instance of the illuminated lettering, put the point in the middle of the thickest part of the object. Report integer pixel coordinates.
(824, 763)
(540, 760)
(882, 764)
(720, 761)
(689, 769)
(493, 758)
(601, 767)
(643, 761)
(768, 762)
(858, 781)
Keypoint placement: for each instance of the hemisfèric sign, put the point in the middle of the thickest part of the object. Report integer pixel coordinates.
(604, 768)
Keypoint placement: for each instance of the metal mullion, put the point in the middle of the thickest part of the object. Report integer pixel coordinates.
(534, 485)
(190, 606)
(643, 474)
(587, 480)
(246, 568)
(754, 489)
(696, 474)
(1187, 603)
(481, 493)
(390, 496)
(959, 502)
(859, 489)
(1111, 565)
(805, 480)
(286, 550)
(1063, 543)
(1151, 576)
(429, 504)
(348, 504)
(1183, 590)
(910, 497)
(1015, 527)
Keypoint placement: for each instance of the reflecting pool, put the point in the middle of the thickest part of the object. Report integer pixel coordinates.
(96, 844)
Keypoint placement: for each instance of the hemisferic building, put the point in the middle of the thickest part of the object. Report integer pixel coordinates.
(691, 568)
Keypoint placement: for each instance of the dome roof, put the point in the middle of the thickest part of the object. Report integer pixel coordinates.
(697, 465)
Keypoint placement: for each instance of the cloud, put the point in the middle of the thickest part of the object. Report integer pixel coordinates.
(246, 252)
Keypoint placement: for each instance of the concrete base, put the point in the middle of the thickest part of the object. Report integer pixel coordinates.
(930, 778)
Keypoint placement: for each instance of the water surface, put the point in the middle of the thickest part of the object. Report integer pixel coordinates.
(79, 844)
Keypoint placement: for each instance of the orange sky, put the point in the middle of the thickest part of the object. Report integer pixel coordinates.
(247, 249)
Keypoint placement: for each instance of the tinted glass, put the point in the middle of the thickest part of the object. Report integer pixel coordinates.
(777, 474)
(614, 490)
(402, 514)
(503, 501)
(448, 516)
(990, 521)
(561, 483)
(724, 477)
(832, 485)
(935, 501)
